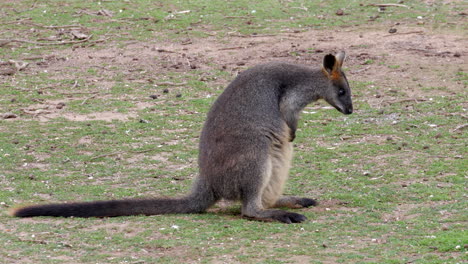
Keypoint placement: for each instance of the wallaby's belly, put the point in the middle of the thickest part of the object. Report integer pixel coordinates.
(280, 156)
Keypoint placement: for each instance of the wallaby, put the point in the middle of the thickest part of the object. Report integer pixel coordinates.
(245, 146)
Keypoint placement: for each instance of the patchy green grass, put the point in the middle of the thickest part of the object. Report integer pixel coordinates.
(391, 178)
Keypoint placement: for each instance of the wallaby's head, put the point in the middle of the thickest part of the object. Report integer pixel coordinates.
(338, 93)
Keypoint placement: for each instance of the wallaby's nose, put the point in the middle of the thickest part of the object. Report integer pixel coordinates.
(349, 111)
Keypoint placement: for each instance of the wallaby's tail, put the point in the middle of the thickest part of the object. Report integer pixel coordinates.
(196, 202)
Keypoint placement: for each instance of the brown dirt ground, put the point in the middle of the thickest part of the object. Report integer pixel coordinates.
(421, 61)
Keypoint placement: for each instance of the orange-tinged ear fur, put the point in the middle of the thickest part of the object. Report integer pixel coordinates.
(335, 73)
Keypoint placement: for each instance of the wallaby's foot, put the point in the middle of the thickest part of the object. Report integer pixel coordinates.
(295, 202)
(278, 216)
(307, 202)
(255, 211)
(289, 218)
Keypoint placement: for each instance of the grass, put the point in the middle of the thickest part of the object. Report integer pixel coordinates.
(391, 179)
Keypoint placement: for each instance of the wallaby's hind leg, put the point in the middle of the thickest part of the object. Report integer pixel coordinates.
(252, 194)
(254, 210)
(294, 202)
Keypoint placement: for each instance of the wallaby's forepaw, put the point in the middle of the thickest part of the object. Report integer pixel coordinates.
(289, 218)
(307, 202)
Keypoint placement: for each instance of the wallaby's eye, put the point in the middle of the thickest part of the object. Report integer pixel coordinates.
(341, 92)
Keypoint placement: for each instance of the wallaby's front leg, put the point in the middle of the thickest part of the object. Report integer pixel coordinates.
(294, 202)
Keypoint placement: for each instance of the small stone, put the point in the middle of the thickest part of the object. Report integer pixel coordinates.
(426, 147)
(153, 96)
(166, 90)
(339, 12)
(404, 185)
(60, 105)
(392, 30)
(178, 95)
(457, 54)
(9, 116)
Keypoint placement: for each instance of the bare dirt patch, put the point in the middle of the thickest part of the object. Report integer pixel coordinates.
(422, 62)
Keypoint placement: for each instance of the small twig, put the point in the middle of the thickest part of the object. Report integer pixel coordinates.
(460, 127)
(19, 65)
(416, 100)
(75, 84)
(236, 17)
(164, 50)
(406, 33)
(46, 44)
(76, 93)
(121, 152)
(388, 5)
(37, 112)
(85, 100)
(232, 48)
(361, 70)
(171, 84)
(52, 27)
(302, 7)
(17, 21)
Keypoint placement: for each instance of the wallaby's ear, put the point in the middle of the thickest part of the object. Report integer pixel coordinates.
(340, 57)
(328, 62)
(332, 64)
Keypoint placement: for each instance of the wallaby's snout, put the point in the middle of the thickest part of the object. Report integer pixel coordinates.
(338, 93)
(348, 110)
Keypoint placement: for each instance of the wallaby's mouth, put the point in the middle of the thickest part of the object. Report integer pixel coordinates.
(344, 110)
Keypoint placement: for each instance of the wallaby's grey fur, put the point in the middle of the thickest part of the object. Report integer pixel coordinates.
(245, 146)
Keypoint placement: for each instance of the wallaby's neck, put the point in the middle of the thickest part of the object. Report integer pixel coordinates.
(305, 87)
(308, 85)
